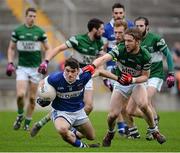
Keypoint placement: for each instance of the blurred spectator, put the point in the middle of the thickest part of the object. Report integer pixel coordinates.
(176, 58)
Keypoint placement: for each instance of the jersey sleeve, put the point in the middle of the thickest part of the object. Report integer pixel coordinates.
(43, 37)
(14, 36)
(72, 42)
(147, 62)
(114, 52)
(53, 79)
(160, 43)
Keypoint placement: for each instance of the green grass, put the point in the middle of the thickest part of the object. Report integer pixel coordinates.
(49, 141)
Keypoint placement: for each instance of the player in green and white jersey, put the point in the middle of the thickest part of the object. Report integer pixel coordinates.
(157, 48)
(134, 64)
(86, 48)
(27, 40)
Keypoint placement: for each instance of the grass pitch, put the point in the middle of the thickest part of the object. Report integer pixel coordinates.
(49, 141)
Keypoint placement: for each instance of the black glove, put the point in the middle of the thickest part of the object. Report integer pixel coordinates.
(43, 103)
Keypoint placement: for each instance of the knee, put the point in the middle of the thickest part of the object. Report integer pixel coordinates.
(63, 131)
(91, 136)
(20, 96)
(143, 107)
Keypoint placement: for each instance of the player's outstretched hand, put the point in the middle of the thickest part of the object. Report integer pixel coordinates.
(89, 68)
(43, 67)
(170, 80)
(125, 79)
(10, 69)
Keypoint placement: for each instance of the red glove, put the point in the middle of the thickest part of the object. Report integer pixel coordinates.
(89, 68)
(10, 69)
(170, 80)
(43, 67)
(125, 79)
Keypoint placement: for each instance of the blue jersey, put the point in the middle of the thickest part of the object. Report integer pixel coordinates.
(69, 97)
(109, 36)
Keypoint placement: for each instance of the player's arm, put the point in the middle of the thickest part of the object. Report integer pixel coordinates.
(102, 60)
(105, 73)
(11, 53)
(49, 55)
(169, 60)
(143, 78)
(55, 51)
(47, 47)
(170, 80)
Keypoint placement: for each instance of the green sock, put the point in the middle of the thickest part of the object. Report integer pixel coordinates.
(27, 121)
(44, 120)
(20, 111)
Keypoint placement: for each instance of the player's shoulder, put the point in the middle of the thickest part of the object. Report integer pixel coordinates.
(80, 37)
(154, 35)
(121, 45)
(145, 53)
(107, 26)
(130, 23)
(38, 28)
(19, 28)
(55, 76)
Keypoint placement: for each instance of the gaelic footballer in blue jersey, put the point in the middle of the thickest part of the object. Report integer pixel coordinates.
(68, 105)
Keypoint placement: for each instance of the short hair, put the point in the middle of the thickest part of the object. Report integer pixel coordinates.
(118, 5)
(30, 9)
(121, 23)
(135, 32)
(94, 23)
(146, 21)
(72, 63)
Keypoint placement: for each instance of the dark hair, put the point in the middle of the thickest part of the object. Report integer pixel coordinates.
(118, 5)
(72, 63)
(135, 32)
(146, 21)
(94, 23)
(30, 9)
(121, 23)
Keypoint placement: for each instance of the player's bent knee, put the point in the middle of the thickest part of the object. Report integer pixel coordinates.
(63, 131)
(90, 136)
(143, 107)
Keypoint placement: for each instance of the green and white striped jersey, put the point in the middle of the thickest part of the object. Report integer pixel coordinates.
(155, 45)
(133, 64)
(28, 41)
(85, 50)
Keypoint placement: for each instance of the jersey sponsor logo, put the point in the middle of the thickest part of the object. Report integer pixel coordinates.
(28, 46)
(129, 70)
(60, 88)
(68, 95)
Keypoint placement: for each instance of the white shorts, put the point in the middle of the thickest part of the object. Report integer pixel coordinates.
(89, 85)
(155, 82)
(73, 118)
(26, 73)
(124, 90)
